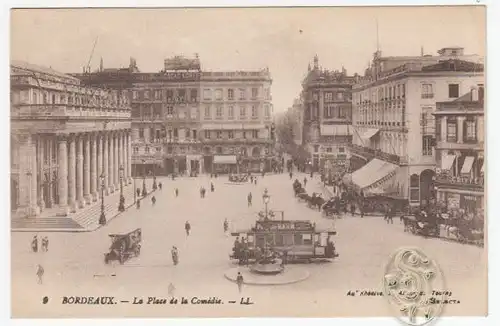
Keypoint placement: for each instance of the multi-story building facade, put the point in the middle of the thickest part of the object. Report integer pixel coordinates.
(460, 152)
(394, 125)
(237, 121)
(327, 116)
(296, 114)
(67, 141)
(186, 120)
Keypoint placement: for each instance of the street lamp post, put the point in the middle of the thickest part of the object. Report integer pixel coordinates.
(102, 218)
(266, 198)
(144, 191)
(133, 177)
(121, 205)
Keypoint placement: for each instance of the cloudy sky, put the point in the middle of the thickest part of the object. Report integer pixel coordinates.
(283, 39)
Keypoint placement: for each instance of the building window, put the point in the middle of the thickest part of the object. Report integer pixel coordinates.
(194, 95)
(242, 93)
(207, 94)
(453, 90)
(328, 96)
(170, 96)
(244, 135)
(328, 149)
(157, 94)
(141, 133)
(158, 149)
(341, 150)
(176, 133)
(207, 134)
(427, 91)
(230, 134)
(170, 110)
(243, 112)
(451, 130)
(207, 112)
(403, 90)
(255, 134)
(218, 94)
(218, 112)
(136, 150)
(230, 112)
(268, 94)
(267, 111)
(254, 112)
(219, 134)
(146, 94)
(427, 145)
(340, 96)
(147, 149)
(470, 130)
(134, 95)
(218, 150)
(255, 92)
(230, 94)
(316, 148)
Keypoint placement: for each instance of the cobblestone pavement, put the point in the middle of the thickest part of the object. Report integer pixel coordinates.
(74, 263)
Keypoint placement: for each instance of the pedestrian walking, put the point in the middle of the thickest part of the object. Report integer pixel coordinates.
(353, 208)
(160, 185)
(153, 200)
(45, 244)
(362, 209)
(226, 225)
(239, 281)
(39, 273)
(212, 188)
(176, 192)
(34, 243)
(171, 289)
(390, 216)
(138, 191)
(255, 180)
(175, 255)
(138, 204)
(187, 227)
(305, 181)
(290, 175)
(249, 199)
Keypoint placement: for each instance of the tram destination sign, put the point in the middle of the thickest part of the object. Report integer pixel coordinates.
(283, 225)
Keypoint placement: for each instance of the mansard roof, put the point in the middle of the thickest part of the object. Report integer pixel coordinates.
(455, 65)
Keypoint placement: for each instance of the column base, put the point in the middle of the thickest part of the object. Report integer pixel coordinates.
(63, 211)
(72, 207)
(95, 197)
(111, 189)
(88, 199)
(81, 203)
(27, 212)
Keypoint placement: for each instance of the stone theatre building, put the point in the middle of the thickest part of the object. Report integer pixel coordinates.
(67, 141)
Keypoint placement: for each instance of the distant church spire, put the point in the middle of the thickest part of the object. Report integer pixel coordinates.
(316, 62)
(421, 51)
(101, 65)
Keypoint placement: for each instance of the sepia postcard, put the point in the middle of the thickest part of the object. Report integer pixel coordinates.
(248, 162)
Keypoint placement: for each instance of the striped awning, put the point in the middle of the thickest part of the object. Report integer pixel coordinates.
(447, 161)
(369, 133)
(224, 159)
(467, 166)
(371, 173)
(335, 130)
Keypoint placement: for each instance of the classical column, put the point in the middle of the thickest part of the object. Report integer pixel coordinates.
(115, 161)
(79, 171)
(460, 130)
(111, 166)
(86, 170)
(50, 194)
(94, 176)
(105, 162)
(129, 157)
(42, 143)
(100, 169)
(444, 125)
(62, 175)
(72, 174)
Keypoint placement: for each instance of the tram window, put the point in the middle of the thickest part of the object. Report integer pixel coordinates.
(307, 239)
(297, 239)
(287, 239)
(279, 239)
(260, 240)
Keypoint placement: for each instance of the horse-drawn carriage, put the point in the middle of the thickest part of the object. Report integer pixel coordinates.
(238, 177)
(124, 246)
(420, 226)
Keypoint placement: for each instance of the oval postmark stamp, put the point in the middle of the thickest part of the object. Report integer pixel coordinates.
(414, 286)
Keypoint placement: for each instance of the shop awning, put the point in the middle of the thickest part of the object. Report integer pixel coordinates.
(370, 173)
(233, 126)
(335, 130)
(467, 166)
(368, 134)
(224, 159)
(447, 161)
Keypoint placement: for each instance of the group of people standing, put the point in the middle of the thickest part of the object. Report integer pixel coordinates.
(44, 243)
